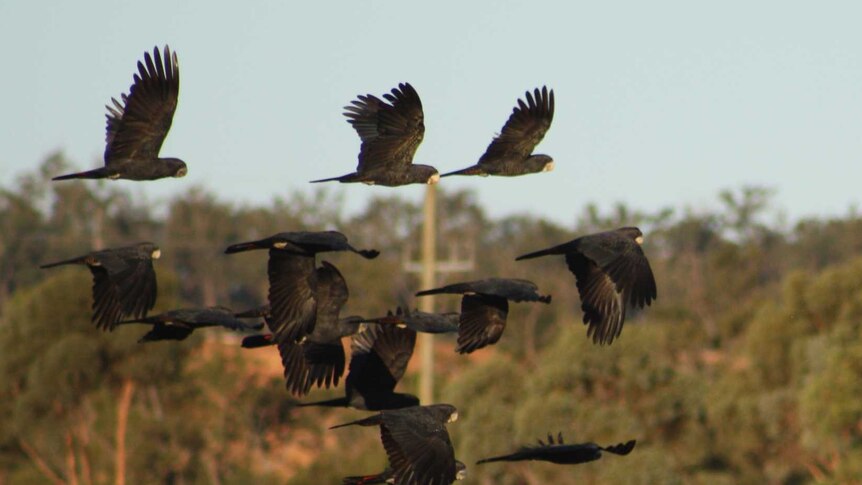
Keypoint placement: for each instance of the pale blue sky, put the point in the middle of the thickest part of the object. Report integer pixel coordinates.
(658, 103)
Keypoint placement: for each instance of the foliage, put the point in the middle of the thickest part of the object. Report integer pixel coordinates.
(747, 369)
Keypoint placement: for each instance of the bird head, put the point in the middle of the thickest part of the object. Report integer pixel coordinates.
(446, 413)
(177, 168)
(632, 233)
(540, 163)
(460, 470)
(150, 250)
(425, 174)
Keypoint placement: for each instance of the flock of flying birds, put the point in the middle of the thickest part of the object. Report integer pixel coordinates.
(305, 299)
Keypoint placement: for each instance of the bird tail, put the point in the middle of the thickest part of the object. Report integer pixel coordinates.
(435, 291)
(96, 173)
(621, 449)
(257, 341)
(517, 456)
(247, 246)
(78, 260)
(148, 320)
(369, 421)
(363, 480)
(340, 402)
(559, 249)
(474, 170)
(351, 177)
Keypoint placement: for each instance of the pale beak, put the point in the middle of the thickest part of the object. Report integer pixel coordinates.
(156, 254)
(548, 166)
(280, 245)
(181, 172)
(639, 239)
(434, 179)
(453, 417)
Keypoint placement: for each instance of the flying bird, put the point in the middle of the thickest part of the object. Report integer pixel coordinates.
(293, 278)
(511, 153)
(137, 127)
(612, 273)
(484, 308)
(179, 324)
(319, 358)
(390, 131)
(379, 355)
(124, 282)
(425, 322)
(388, 476)
(562, 453)
(417, 443)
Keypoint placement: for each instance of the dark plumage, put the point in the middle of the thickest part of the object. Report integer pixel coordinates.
(511, 153)
(319, 358)
(137, 127)
(379, 355)
(124, 282)
(179, 324)
(484, 308)
(293, 279)
(563, 454)
(420, 321)
(388, 476)
(390, 133)
(417, 443)
(612, 273)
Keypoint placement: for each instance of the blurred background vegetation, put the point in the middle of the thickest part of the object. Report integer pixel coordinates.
(747, 369)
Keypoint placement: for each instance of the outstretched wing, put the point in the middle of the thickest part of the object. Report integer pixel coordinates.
(524, 129)
(292, 287)
(138, 126)
(390, 130)
(332, 294)
(419, 450)
(121, 287)
(611, 275)
(482, 321)
(379, 357)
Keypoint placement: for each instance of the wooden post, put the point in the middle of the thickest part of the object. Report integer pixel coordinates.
(426, 304)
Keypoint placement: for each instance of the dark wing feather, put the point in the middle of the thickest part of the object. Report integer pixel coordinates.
(325, 363)
(331, 295)
(482, 321)
(604, 310)
(524, 129)
(390, 131)
(295, 368)
(379, 357)
(107, 307)
(121, 287)
(292, 287)
(625, 263)
(137, 127)
(419, 450)
(612, 274)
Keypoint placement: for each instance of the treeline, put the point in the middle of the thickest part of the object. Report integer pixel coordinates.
(747, 369)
